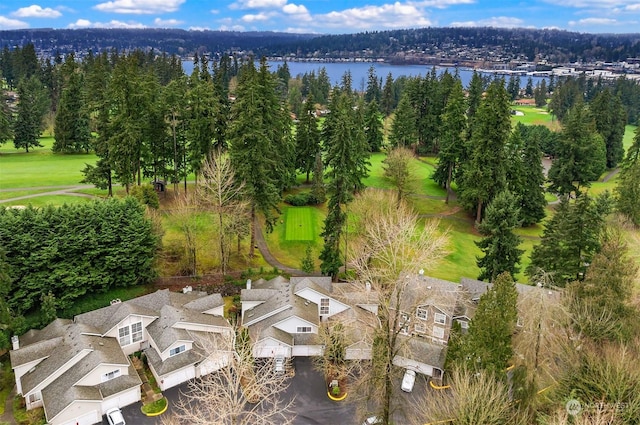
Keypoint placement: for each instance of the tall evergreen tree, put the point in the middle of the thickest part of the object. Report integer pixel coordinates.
(251, 146)
(454, 126)
(628, 189)
(513, 87)
(530, 193)
(72, 131)
(500, 244)
(403, 129)
(484, 174)
(581, 155)
(5, 119)
(570, 239)
(373, 126)
(387, 102)
(347, 161)
(307, 138)
(565, 96)
(610, 119)
(373, 87)
(528, 91)
(540, 94)
(487, 344)
(33, 104)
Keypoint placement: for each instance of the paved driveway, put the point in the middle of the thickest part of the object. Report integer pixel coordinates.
(312, 406)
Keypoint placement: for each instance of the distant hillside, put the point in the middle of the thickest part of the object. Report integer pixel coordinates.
(409, 45)
(474, 43)
(172, 41)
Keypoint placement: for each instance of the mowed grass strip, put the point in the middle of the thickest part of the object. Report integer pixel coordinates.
(300, 225)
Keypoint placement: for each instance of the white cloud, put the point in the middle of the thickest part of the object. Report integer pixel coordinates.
(84, 23)
(594, 21)
(258, 17)
(593, 4)
(258, 4)
(166, 23)
(35, 11)
(293, 9)
(396, 15)
(11, 24)
(633, 7)
(495, 22)
(139, 7)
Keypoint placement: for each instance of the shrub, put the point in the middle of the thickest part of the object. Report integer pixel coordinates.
(301, 199)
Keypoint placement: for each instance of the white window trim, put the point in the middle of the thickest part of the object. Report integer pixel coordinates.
(177, 350)
(463, 324)
(111, 375)
(440, 318)
(35, 397)
(422, 310)
(130, 337)
(324, 309)
(304, 329)
(440, 330)
(420, 328)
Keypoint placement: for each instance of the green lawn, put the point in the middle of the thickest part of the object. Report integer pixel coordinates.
(534, 116)
(41, 167)
(44, 200)
(300, 225)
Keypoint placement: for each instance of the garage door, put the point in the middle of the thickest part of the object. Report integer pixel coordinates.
(121, 400)
(86, 419)
(306, 350)
(177, 378)
(271, 351)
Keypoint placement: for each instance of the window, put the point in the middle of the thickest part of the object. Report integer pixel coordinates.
(177, 350)
(303, 329)
(440, 318)
(463, 324)
(422, 313)
(125, 335)
(438, 332)
(130, 333)
(136, 332)
(324, 306)
(111, 375)
(420, 328)
(35, 397)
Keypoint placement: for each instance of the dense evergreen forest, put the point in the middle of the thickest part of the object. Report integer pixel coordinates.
(555, 46)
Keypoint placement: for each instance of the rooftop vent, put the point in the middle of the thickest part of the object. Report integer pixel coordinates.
(187, 289)
(15, 341)
(248, 283)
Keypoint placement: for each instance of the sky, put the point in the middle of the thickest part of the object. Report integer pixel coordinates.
(323, 16)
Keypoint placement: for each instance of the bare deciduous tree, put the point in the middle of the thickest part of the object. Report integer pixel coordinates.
(245, 392)
(389, 242)
(220, 191)
(472, 399)
(184, 211)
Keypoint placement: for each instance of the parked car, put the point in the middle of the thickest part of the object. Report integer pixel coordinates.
(278, 364)
(372, 420)
(114, 416)
(408, 380)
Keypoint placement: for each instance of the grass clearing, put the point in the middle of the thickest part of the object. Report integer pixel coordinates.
(534, 116)
(44, 200)
(300, 224)
(41, 167)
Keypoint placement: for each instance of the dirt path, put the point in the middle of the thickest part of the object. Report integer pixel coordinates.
(611, 174)
(56, 190)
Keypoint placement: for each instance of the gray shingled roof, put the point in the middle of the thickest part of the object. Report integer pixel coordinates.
(52, 330)
(425, 290)
(104, 319)
(103, 350)
(63, 391)
(34, 351)
(179, 361)
(321, 284)
(121, 383)
(205, 303)
(421, 350)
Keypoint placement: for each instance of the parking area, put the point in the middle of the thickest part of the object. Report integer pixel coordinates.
(312, 406)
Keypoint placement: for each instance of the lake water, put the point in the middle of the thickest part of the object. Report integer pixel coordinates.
(360, 70)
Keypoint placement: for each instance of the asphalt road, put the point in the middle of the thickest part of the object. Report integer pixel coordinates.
(311, 404)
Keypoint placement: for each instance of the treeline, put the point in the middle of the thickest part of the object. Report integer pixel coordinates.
(51, 256)
(167, 40)
(554, 45)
